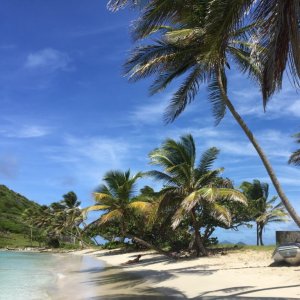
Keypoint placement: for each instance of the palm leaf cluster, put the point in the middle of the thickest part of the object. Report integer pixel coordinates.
(198, 40)
(295, 157)
(276, 25)
(264, 211)
(116, 198)
(193, 189)
(58, 220)
(187, 47)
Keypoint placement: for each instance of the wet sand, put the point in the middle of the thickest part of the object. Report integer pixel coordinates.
(84, 277)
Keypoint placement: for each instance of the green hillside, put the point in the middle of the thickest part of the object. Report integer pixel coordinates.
(12, 205)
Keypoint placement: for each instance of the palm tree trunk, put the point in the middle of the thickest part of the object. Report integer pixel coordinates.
(260, 152)
(198, 239)
(260, 235)
(257, 234)
(150, 246)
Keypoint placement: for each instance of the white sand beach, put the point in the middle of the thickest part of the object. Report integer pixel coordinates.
(241, 274)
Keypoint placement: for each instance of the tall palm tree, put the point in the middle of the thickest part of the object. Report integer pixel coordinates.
(118, 202)
(295, 157)
(264, 211)
(194, 189)
(203, 38)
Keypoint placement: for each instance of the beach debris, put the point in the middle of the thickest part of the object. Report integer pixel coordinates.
(133, 261)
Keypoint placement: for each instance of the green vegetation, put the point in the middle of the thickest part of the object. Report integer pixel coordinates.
(16, 240)
(264, 211)
(193, 201)
(12, 206)
(202, 40)
(57, 224)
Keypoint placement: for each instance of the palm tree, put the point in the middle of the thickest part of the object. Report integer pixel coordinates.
(295, 157)
(264, 211)
(202, 38)
(194, 189)
(118, 202)
(277, 23)
(70, 200)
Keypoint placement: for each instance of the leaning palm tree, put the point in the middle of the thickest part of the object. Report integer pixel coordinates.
(200, 39)
(118, 203)
(193, 189)
(263, 211)
(295, 157)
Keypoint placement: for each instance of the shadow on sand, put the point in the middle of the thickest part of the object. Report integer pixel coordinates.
(120, 283)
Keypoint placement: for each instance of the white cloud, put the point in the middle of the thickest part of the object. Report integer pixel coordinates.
(249, 102)
(25, 131)
(90, 157)
(48, 58)
(149, 113)
(83, 32)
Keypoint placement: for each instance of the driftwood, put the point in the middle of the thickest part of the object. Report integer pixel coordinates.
(133, 261)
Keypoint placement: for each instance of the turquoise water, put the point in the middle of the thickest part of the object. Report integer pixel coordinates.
(26, 276)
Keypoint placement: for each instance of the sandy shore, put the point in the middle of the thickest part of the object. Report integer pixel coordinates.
(238, 275)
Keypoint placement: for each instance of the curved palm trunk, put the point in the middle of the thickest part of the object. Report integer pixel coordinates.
(260, 152)
(150, 246)
(199, 243)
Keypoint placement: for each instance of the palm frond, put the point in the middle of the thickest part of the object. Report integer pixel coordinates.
(216, 98)
(115, 5)
(157, 13)
(207, 178)
(141, 207)
(281, 38)
(178, 217)
(102, 196)
(111, 216)
(185, 94)
(295, 158)
(220, 213)
(85, 211)
(160, 176)
(211, 195)
(207, 159)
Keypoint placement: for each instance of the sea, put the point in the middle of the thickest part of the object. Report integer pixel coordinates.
(27, 276)
(57, 276)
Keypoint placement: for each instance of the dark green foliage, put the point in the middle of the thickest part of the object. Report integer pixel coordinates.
(295, 157)
(113, 245)
(53, 243)
(12, 206)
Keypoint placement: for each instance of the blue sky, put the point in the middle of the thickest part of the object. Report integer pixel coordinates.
(68, 115)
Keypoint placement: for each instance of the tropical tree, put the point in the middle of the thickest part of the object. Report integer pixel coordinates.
(277, 24)
(202, 38)
(70, 200)
(193, 189)
(263, 211)
(119, 203)
(59, 220)
(295, 157)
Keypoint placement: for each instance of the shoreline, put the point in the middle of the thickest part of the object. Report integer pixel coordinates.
(237, 275)
(101, 275)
